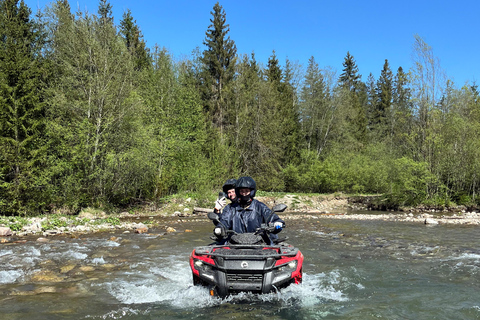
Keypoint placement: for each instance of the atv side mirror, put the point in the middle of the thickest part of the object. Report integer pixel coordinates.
(279, 207)
(214, 217)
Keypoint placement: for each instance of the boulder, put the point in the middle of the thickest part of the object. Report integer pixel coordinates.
(5, 232)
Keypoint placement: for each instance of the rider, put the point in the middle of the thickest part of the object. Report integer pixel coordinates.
(249, 214)
(228, 190)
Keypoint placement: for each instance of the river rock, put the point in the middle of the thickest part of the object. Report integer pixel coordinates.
(5, 232)
(67, 268)
(141, 230)
(430, 221)
(170, 229)
(86, 268)
(46, 276)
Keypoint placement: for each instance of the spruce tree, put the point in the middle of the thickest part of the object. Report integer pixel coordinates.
(134, 41)
(403, 114)
(355, 102)
(382, 116)
(22, 109)
(218, 67)
(273, 72)
(317, 114)
(350, 78)
(105, 12)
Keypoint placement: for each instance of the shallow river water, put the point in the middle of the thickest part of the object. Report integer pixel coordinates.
(352, 270)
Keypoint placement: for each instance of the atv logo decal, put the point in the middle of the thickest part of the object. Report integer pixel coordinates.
(244, 264)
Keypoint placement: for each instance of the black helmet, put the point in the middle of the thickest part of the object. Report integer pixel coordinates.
(246, 182)
(229, 184)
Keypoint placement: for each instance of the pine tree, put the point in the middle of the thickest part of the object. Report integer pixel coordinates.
(219, 67)
(384, 89)
(105, 12)
(22, 109)
(354, 98)
(273, 72)
(371, 88)
(402, 114)
(350, 78)
(134, 41)
(317, 114)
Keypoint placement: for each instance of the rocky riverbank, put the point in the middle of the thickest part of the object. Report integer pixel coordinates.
(312, 206)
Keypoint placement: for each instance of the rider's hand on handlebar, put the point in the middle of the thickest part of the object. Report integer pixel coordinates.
(278, 225)
(220, 232)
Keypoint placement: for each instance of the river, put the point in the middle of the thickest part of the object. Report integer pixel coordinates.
(352, 270)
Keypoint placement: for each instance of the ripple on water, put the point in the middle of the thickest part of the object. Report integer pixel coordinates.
(10, 276)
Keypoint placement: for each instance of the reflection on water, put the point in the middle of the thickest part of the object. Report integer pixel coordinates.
(352, 270)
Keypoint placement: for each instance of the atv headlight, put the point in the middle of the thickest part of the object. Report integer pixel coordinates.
(285, 271)
(201, 265)
(289, 266)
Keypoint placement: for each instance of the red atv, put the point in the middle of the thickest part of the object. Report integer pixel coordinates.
(246, 263)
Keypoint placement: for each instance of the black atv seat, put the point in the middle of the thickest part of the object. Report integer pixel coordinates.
(246, 252)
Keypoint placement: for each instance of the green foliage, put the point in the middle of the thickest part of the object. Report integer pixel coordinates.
(218, 68)
(117, 126)
(14, 223)
(55, 221)
(343, 171)
(110, 220)
(23, 73)
(410, 182)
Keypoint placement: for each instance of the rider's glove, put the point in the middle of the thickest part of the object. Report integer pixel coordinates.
(220, 203)
(278, 226)
(219, 232)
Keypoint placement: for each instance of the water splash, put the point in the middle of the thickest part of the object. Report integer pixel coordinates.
(172, 284)
(10, 276)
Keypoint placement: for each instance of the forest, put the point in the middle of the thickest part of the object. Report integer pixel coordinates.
(90, 116)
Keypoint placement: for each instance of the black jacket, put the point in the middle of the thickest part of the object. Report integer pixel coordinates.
(249, 219)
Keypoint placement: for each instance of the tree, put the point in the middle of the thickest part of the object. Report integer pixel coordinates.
(134, 41)
(219, 67)
(316, 110)
(350, 78)
(22, 109)
(428, 80)
(105, 12)
(403, 120)
(354, 101)
(384, 92)
(95, 117)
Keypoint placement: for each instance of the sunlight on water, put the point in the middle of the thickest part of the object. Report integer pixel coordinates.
(5, 252)
(98, 260)
(466, 262)
(118, 314)
(10, 276)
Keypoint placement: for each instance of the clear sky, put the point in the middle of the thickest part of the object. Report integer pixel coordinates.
(370, 30)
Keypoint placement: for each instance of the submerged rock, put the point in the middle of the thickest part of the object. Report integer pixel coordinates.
(46, 276)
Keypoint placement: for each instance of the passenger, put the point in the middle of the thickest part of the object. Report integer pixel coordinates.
(229, 191)
(248, 214)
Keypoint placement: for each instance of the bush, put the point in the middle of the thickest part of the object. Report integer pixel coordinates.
(410, 182)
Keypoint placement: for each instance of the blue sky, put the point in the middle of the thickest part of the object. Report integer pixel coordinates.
(370, 30)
